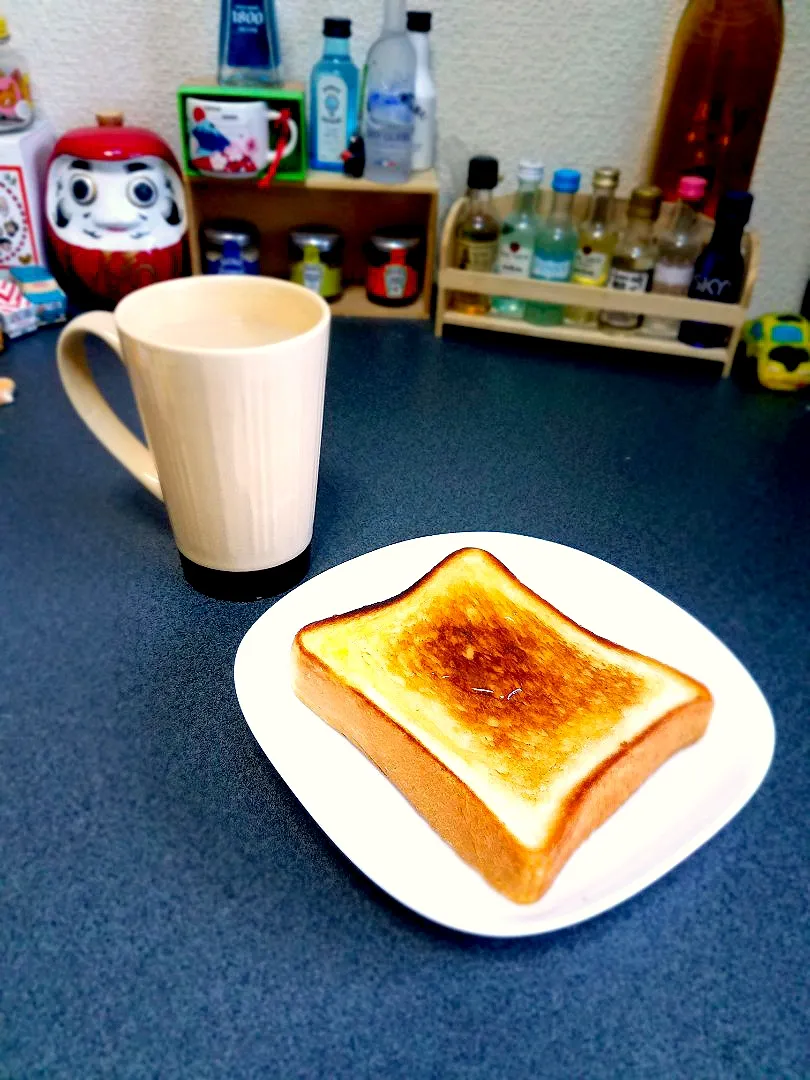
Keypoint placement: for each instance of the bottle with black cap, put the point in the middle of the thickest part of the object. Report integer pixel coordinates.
(333, 98)
(477, 231)
(424, 101)
(720, 269)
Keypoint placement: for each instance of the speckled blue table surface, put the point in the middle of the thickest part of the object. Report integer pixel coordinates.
(170, 910)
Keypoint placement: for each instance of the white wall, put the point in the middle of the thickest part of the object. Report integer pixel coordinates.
(575, 82)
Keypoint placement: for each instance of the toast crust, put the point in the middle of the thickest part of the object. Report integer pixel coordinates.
(460, 817)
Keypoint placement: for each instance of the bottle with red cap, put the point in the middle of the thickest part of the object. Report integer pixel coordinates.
(678, 247)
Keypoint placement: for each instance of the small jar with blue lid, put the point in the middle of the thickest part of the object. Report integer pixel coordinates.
(230, 246)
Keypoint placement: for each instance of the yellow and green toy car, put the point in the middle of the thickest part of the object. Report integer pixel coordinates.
(775, 350)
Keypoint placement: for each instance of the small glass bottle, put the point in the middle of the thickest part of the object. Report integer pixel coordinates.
(597, 242)
(477, 231)
(333, 98)
(635, 255)
(516, 247)
(17, 108)
(249, 49)
(390, 82)
(555, 246)
(424, 102)
(678, 248)
(720, 269)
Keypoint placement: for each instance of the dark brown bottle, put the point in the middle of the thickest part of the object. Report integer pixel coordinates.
(721, 75)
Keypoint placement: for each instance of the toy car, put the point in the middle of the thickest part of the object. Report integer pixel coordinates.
(775, 349)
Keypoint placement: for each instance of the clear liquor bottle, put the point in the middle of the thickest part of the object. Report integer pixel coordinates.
(477, 231)
(635, 256)
(678, 248)
(390, 80)
(597, 242)
(518, 232)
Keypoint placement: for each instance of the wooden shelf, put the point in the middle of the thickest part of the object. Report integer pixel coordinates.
(609, 338)
(565, 292)
(356, 207)
(452, 279)
(421, 183)
(355, 303)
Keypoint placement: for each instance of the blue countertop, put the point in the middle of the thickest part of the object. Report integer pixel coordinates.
(170, 910)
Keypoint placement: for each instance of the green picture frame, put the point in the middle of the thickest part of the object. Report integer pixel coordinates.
(292, 168)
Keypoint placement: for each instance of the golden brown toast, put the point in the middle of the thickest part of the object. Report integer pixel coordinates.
(511, 729)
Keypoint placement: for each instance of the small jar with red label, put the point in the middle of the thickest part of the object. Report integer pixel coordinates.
(395, 265)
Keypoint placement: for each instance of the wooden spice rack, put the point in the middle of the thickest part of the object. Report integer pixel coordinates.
(672, 307)
(356, 207)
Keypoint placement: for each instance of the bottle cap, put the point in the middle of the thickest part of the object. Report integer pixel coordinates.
(419, 21)
(566, 180)
(532, 171)
(692, 188)
(482, 173)
(735, 208)
(606, 177)
(645, 202)
(337, 28)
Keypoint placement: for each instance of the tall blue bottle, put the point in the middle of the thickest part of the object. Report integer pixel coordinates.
(720, 269)
(333, 98)
(249, 49)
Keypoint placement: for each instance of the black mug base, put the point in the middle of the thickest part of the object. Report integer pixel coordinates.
(249, 584)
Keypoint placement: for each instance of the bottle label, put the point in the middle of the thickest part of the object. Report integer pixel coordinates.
(391, 107)
(551, 269)
(590, 267)
(248, 37)
(629, 280)
(394, 281)
(514, 259)
(231, 262)
(673, 276)
(477, 255)
(331, 114)
(706, 288)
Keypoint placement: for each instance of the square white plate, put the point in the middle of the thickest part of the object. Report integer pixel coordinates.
(678, 809)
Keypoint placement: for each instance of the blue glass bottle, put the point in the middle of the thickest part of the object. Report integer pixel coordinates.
(719, 270)
(249, 49)
(555, 246)
(333, 98)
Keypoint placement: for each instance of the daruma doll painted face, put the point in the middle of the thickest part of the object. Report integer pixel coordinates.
(115, 212)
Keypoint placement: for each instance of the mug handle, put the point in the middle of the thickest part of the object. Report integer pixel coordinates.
(86, 399)
(272, 116)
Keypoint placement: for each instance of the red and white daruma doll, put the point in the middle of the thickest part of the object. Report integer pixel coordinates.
(115, 211)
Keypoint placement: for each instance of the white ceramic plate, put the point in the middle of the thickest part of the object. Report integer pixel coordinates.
(679, 808)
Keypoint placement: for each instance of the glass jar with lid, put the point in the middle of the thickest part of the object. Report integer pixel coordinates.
(395, 265)
(316, 259)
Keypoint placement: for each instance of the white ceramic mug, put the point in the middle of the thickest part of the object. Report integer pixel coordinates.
(232, 138)
(228, 374)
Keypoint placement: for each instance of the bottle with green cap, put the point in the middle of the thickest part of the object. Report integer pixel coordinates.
(16, 106)
(555, 245)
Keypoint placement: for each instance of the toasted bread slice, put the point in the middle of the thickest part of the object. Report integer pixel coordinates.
(511, 729)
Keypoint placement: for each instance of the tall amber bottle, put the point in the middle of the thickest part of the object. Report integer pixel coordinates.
(721, 75)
